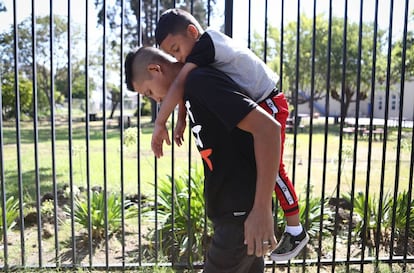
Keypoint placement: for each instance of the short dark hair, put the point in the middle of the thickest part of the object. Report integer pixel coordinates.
(137, 61)
(129, 62)
(174, 21)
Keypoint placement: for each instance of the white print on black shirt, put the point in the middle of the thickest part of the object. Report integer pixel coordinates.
(196, 129)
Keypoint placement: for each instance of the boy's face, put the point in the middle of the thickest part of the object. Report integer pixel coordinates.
(156, 86)
(180, 45)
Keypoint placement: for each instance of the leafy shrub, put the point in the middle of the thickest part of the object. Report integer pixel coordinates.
(130, 136)
(372, 212)
(402, 205)
(97, 212)
(12, 212)
(188, 240)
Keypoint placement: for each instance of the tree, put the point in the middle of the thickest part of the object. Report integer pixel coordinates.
(9, 95)
(306, 51)
(43, 58)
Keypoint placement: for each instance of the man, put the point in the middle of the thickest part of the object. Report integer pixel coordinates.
(240, 146)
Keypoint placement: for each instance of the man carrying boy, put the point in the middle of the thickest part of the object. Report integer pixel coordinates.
(179, 34)
(239, 148)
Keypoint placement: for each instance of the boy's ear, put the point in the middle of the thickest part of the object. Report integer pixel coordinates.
(193, 31)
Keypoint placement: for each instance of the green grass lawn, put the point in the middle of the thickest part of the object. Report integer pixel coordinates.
(141, 168)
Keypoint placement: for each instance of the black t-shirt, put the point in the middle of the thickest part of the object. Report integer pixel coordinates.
(215, 107)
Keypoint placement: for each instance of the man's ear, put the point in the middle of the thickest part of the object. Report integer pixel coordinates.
(193, 31)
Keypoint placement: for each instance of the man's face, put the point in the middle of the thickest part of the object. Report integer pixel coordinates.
(180, 45)
(156, 86)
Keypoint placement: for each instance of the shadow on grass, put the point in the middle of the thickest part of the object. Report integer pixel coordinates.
(29, 182)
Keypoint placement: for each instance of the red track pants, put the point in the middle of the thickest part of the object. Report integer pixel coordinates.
(285, 191)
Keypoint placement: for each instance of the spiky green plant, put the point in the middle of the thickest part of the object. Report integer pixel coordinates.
(189, 237)
(370, 223)
(12, 212)
(97, 213)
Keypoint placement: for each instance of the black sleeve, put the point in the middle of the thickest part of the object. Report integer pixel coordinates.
(203, 51)
(219, 94)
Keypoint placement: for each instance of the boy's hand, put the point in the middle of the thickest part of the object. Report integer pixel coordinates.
(179, 131)
(158, 136)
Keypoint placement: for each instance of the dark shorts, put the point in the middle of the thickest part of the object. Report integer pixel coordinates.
(228, 253)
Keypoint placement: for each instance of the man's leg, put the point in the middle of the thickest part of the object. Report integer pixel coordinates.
(228, 253)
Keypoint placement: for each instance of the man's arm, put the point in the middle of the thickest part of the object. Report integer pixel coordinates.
(267, 147)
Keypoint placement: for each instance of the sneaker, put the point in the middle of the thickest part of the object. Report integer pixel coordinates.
(289, 246)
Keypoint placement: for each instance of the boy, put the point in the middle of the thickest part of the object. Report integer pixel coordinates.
(179, 34)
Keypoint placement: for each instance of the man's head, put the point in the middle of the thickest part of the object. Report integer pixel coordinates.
(176, 33)
(149, 71)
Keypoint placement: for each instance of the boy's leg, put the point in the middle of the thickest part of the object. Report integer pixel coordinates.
(228, 253)
(295, 237)
(285, 192)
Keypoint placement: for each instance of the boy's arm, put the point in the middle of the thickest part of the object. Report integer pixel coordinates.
(174, 95)
(267, 148)
(181, 124)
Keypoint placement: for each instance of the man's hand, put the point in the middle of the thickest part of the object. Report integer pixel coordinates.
(159, 134)
(258, 232)
(179, 131)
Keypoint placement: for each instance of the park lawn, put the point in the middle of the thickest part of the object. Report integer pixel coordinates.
(134, 180)
(308, 171)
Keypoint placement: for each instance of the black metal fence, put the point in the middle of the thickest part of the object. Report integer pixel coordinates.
(80, 187)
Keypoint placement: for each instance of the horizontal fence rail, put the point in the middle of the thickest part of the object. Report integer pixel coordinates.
(81, 188)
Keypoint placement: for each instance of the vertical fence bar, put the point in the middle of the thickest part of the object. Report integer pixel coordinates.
(325, 144)
(312, 98)
(280, 83)
(105, 134)
(384, 143)
(156, 168)
(228, 18)
(282, 26)
(87, 139)
(399, 134)
(139, 30)
(17, 115)
(295, 94)
(369, 154)
(3, 188)
(53, 130)
(409, 193)
(249, 25)
(70, 134)
(410, 181)
(121, 57)
(36, 134)
(341, 126)
(175, 244)
(355, 147)
(265, 33)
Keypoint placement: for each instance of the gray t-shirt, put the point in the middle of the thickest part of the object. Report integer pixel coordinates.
(238, 62)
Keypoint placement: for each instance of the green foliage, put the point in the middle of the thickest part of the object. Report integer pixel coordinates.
(12, 212)
(130, 136)
(9, 98)
(402, 205)
(97, 213)
(371, 207)
(188, 240)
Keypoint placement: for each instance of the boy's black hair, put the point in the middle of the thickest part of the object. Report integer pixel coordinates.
(129, 62)
(173, 21)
